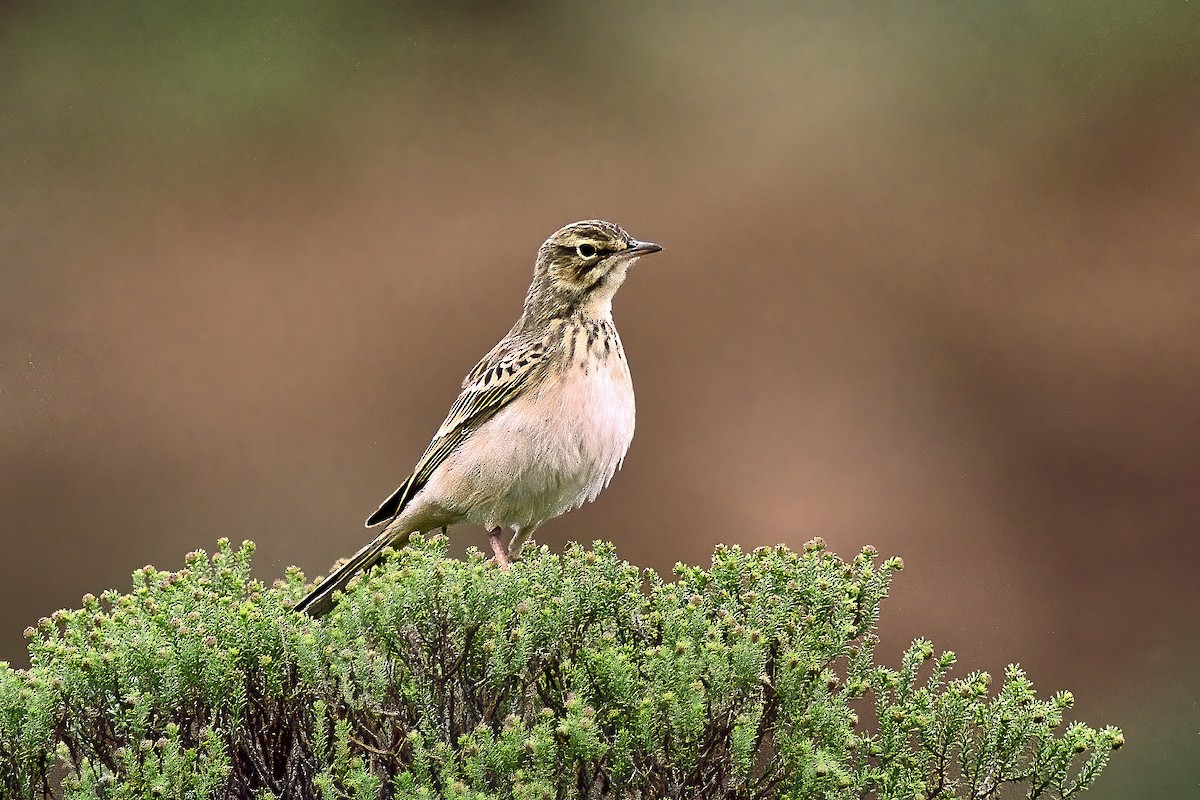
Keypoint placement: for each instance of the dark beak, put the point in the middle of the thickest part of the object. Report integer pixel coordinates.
(637, 248)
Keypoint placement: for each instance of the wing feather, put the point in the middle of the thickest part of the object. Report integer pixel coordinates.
(496, 381)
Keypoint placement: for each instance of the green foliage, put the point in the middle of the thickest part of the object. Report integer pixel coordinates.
(572, 676)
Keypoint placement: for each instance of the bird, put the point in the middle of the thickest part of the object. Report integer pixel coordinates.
(544, 419)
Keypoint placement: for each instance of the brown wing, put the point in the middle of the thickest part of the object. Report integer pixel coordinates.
(494, 382)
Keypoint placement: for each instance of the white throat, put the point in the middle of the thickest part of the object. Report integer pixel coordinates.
(599, 303)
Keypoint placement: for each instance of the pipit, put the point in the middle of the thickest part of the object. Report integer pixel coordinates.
(543, 421)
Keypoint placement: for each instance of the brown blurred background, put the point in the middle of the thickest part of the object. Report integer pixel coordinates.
(931, 282)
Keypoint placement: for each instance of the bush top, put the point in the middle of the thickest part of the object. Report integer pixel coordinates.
(573, 675)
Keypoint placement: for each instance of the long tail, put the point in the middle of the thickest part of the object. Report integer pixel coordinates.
(319, 601)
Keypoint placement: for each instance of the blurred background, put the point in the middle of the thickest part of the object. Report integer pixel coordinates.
(931, 282)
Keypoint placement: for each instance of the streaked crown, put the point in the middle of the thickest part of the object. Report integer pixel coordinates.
(581, 266)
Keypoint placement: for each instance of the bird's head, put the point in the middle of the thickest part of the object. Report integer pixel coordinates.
(580, 267)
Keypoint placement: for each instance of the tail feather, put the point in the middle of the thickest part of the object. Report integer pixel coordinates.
(319, 601)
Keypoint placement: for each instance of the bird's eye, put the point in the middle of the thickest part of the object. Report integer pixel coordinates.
(585, 250)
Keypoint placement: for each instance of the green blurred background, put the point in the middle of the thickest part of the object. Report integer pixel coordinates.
(931, 282)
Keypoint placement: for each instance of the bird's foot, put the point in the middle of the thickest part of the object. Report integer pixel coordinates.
(517, 545)
(498, 548)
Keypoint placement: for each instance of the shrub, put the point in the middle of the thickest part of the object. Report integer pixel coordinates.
(572, 676)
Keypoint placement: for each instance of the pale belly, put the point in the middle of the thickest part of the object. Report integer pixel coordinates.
(541, 456)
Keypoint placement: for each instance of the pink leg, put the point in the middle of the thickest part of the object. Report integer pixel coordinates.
(498, 548)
